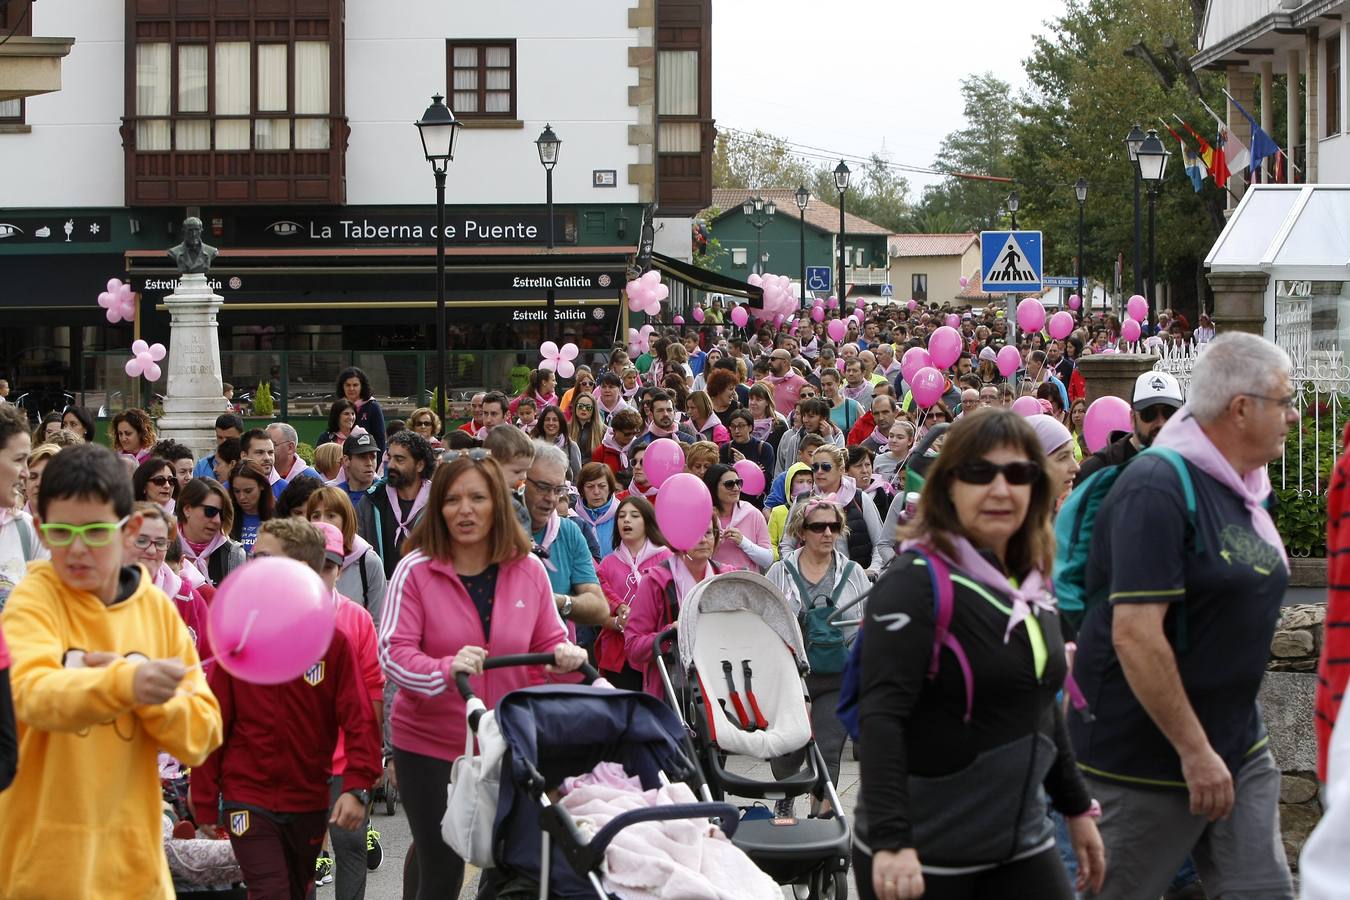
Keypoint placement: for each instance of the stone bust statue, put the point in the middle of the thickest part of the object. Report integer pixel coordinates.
(192, 256)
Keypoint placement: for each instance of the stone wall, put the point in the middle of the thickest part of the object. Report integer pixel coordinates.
(1286, 701)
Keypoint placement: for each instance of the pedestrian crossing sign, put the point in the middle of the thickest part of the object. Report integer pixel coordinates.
(1011, 262)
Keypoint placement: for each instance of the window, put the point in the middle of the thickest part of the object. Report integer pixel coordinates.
(918, 287)
(739, 257)
(482, 79)
(16, 16)
(11, 112)
(1333, 86)
(677, 76)
(232, 95)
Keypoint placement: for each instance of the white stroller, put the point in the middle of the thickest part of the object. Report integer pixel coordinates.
(736, 679)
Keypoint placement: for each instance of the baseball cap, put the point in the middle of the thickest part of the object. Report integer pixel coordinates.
(358, 444)
(332, 542)
(1157, 387)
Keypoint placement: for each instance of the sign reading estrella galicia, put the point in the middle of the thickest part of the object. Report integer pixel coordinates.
(1011, 262)
(364, 229)
(818, 278)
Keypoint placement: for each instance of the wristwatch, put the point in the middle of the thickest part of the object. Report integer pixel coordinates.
(363, 796)
(566, 611)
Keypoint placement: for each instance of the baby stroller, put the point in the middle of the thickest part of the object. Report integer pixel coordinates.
(736, 679)
(556, 731)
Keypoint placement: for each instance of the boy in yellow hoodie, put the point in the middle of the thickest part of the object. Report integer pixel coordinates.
(104, 674)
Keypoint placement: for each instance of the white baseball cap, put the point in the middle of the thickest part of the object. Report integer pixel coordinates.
(1157, 387)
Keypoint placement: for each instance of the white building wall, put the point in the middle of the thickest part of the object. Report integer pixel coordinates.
(73, 155)
(571, 71)
(1333, 151)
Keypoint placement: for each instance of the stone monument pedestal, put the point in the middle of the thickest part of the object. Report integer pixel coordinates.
(195, 396)
(1113, 374)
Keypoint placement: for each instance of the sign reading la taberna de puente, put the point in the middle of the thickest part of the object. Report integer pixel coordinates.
(351, 229)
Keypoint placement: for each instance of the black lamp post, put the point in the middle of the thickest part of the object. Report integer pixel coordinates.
(548, 145)
(1013, 203)
(841, 173)
(803, 199)
(1133, 141)
(1080, 191)
(758, 212)
(439, 132)
(1152, 158)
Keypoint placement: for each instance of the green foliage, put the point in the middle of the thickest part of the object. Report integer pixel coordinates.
(305, 452)
(263, 405)
(1302, 521)
(1301, 508)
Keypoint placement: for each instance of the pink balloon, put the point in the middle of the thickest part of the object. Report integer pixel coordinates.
(836, 330)
(1130, 330)
(1137, 308)
(106, 300)
(953, 320)
(133, 367)
(646, 330)
(1075, 301)
(158, 352)
(1105, 415)
(1030, 315)
(152, 372)
(139, 347)
(927, 386)
(698, 314)
(678, 320)
(915, 358)
(944, 346)
(752, 476)
(739, 316)
(832, 303)
(665, 457)
(912, 304)
(964, 281)
(114, 285)
(860, 315)
(683, 509)
(114, 315)
(818, 314)
(1009, 361)
(1027, 406)
(1061, 325)
(271, 620)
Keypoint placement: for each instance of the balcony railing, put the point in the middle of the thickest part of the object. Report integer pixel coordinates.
(182, 164)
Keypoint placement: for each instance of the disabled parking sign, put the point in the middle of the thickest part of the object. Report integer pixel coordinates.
(1011, 262)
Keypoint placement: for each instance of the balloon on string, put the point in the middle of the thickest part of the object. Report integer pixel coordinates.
(832, 303)
(953, 320)
(1075, 301)
(818, 314)
(915, 358)
(739, 316)
(1009, 361)
(1105, 415)
(912, 304)
(684, 509)
(944, 346)
(1027, 406)
(1137, 308)
(752, 477)
(1030, 315)
(836, 330)
(678, 320)
(271, 620)
(927, 386)
(1061, 325)
(1130, 330)
(665, 457)
(698, 314)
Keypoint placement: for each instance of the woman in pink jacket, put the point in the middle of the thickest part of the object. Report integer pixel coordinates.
(466, 588)
(745, 532)
(638, 546)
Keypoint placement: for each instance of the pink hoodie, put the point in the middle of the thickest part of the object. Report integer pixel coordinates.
(749, 522)
(428, 616)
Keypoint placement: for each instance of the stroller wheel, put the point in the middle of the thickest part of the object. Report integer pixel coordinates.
(829, 885)
(390, 800)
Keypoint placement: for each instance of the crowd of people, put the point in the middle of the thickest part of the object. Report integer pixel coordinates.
(532, 527)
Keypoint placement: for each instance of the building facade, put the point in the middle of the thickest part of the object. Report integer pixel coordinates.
(929, 267)
(286, 126)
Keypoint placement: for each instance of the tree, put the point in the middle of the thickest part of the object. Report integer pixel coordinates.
(757, 160)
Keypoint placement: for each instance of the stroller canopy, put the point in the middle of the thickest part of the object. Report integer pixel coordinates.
(733, 591)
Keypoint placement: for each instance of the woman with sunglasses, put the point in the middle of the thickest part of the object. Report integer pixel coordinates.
(341, 421)
(813, 576)
(551, 427)
(440, 619)
(957, 764)
(205, 516)
(425, 422)
(146, 540)
(638, 545)
(865, 543)
(253, 503)
(585, 384)
(583, 430)
(155, 481)
(745, 533)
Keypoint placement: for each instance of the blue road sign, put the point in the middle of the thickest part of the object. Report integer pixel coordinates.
(1060, 281)
(1010, 262)
(818, 278)
(887, 290)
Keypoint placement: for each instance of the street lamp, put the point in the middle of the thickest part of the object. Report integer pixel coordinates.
(1152, 163)
(758, 212)
(803, 198)
(548, 145)
(1133, 141)
(439, 132)
(841, 173)
(1013, 203)
(1080, 191)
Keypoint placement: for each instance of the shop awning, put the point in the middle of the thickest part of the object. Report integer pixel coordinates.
(1294, 231)
(705, 280)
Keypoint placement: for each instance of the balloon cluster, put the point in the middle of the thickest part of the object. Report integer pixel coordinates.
(559, 359)
(646, 294)
(1136, 311)
(118, 302)
(779, 300)
(145, 360)
(638, 340)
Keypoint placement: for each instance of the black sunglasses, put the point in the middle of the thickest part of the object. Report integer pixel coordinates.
(477, 454)
(210, 511)
(733, 484)
(822, 527)
(982, 471)
(1149, 413)
(822, 467)
(162, 480)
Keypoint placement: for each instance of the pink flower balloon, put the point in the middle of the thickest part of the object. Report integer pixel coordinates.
(1130, 330)
(927, 386)
(1137, 308)
(558, 359)
(665, 458)
(1061, 325)
(683, 508)
(944, 346)
(271, 620)
(1104, 416)
(1027, 406)
(1009, 361)
(1030, 315)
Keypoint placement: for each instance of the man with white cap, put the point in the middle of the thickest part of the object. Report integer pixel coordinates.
(1157, 395)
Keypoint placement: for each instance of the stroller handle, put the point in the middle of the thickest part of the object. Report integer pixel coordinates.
(588, 671)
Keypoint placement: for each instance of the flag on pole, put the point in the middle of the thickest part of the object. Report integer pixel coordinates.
(1279, 167)
(1208, 155)
(1195, 168)
(1234, 151)
(1263, 144)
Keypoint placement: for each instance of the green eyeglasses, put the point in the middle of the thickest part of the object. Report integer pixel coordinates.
(95, 534)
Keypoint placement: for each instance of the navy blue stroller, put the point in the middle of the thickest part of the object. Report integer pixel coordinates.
(556, 731)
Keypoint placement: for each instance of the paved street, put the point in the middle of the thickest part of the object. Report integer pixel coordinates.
(386, 884)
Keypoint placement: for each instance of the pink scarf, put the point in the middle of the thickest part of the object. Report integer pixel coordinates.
(360, 546)
(657, 432)
(608, 441)
(684, 579)
(763, 428)
(630, 393)
(853, 393)
(551, 529)
(1185, 436)
(405, 524)
(550, 400)
(1033, 591)
(167, 581)
(634, 564)
(709, 424)
(877, 438)
(201, 561)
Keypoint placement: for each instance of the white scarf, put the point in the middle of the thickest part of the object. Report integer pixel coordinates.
(607, 411)
(608, 441)
(551, 529)
(405, 524)
(601, 516)
(635, 564)
(709, 424)
(202, 561)
(684, 579)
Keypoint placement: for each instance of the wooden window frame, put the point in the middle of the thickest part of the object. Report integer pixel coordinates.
(482, 90)
(915, 291)
(18, 12)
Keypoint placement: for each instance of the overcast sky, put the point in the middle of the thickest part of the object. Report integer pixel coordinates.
(859, 76)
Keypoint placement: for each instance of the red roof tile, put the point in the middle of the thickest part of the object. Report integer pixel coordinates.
(819, 214)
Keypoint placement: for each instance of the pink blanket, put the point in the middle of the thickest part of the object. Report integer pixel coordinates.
(688, 859)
